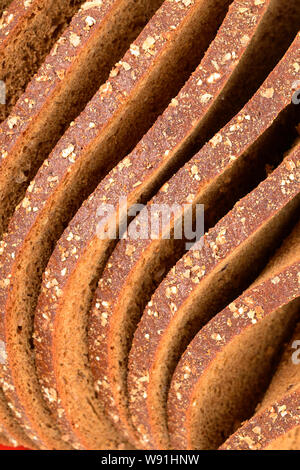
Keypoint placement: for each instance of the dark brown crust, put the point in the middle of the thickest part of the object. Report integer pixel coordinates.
(251, 307)
(55, 170)
(129, 172)
(184, 187)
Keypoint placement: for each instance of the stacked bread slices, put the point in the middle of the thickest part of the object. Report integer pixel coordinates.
(275, 425)
(240, 344)
(201, 109)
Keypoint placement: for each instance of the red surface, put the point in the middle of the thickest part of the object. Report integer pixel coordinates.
(11, 448)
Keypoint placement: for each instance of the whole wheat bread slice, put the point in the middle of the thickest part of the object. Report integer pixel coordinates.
(226, 162)
(201, 284)
(78, 258)
(276, 423)
(227, 366)
(78, 64)
(101, 134)
(28, 29)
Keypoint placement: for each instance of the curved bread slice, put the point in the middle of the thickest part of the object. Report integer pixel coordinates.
(233, 154)
(79, 258)
(276, 424)
(154, 66)
(201, 283)
(28, 29)
(78, 64)
(226, 368)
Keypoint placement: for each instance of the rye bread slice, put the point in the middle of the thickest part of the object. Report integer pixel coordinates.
(97, 36)
(28, 29)
(155, 64)
(125, 106)
(226, 162)
(78, 64)
(203, 282)
(79, 256)
(276, 423)
(226, 368)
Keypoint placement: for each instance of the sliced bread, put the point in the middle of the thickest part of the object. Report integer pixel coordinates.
(228, 161)
(276, 424)
(28, 29)
(10, 428)
(203, 282)
(153, 68)
(226, 368)
(78, 64)
(80, 255)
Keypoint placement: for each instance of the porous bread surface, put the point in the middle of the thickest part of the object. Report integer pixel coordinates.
(199, 284)
(10, 427)
(185, 187)
(77, 65)
(275, 290)
(5, 441)
(277, 428)
(79, 244)
(19, 326)
(28, 29)
(3, 5)
(58, 172)
(276, 423)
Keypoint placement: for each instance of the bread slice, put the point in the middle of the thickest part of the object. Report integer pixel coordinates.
(78, 64)
(10, 428)
(231, 159)
(203, 282)
(104, 132)
(28, 29)
(228, 365)
(137, 91)
(86, 257)
(77, 272)
(276, 423)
